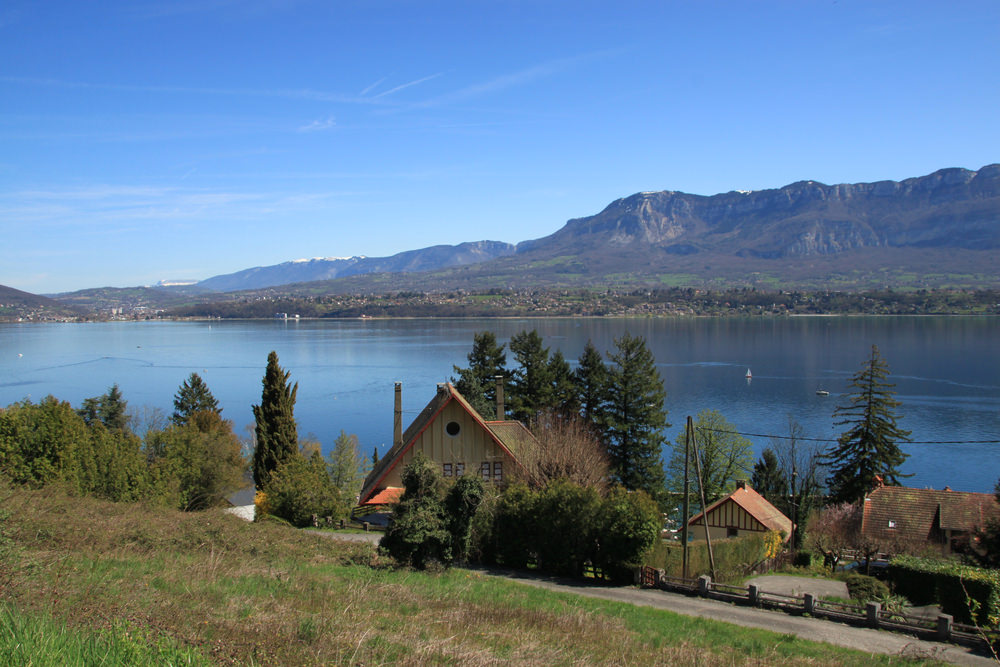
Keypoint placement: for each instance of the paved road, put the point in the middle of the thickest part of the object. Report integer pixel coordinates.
(815, 629)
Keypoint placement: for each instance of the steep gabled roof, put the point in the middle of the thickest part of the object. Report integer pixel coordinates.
(916, 514)
(510, 436)
(753, 504)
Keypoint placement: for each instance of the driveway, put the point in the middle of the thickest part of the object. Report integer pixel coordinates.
(785, 585)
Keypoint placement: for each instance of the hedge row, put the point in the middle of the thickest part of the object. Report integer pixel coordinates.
(963, 591)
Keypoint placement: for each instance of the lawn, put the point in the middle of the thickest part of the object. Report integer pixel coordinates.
(83, 578)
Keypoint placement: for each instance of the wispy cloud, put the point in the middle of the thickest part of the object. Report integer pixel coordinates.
(512, 80)
(319, 125)
(407, 85)
(371, 87)
(286, 93)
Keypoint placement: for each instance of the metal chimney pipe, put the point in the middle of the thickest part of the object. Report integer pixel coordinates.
(500, 406)
(397, 417)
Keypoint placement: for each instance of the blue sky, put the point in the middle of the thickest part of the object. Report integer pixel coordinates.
(142, 141)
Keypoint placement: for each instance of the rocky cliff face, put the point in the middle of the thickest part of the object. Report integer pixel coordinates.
(954, 208)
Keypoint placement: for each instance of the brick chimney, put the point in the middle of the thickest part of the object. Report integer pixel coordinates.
(397, 417)
(500, 406)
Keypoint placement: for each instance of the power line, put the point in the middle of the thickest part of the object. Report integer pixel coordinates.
(908, 442)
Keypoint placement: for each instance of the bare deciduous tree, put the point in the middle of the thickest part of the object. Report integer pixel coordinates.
(567, 448)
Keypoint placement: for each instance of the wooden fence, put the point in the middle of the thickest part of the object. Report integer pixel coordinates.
(942, 628)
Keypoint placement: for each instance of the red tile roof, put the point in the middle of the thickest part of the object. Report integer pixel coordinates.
(898, 514)
(387, 496)
(756, 506)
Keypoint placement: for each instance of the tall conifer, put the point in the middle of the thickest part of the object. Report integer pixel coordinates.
(868, 449)
(277, 437)
(477, 383)
(635, 417)
(191, 397)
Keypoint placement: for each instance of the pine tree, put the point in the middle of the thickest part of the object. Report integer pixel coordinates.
(868, 449)
(277, 436)
(477, 383)
(769, 479)
(592, 383)
(565, 392)
(635, 417)
(531, 387)
(193, 396)
(108, 409)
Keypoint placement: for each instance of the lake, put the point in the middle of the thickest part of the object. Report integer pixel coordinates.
(947, 372)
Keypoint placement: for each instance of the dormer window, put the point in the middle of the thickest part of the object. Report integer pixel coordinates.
(892, 524)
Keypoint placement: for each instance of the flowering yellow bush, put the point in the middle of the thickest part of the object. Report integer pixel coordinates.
(772, 544)
(260, 504)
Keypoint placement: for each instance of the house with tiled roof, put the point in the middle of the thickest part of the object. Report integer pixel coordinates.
(742, 512)
(899, 518)
(450, 432)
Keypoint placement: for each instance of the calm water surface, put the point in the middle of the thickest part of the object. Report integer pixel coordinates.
(947, 372)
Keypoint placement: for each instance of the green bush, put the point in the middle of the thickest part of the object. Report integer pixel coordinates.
(733, 557)
(967, 593)
(418, 534)
(803, 559)
(300, 488)
(864, 588)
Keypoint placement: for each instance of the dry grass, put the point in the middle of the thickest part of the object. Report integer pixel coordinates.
(267, 594)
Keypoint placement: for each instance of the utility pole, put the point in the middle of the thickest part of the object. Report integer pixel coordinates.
(704, 509)
(684, 518)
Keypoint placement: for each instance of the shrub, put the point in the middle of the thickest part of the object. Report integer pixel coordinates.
(802, 559)
(418, 535)
(967, 593)
(629, 527)
(300, 488)
(864, 588)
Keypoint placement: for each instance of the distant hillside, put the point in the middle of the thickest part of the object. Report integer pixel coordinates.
(300, 271)
(16, 304)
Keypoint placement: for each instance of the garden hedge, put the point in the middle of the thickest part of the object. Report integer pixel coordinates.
(967, 593)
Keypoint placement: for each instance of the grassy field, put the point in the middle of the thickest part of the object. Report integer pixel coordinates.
(89, 582)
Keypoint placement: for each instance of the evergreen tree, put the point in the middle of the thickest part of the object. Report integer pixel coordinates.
(477, 383)
(635, 417)
(277, 436)
(531, 390)
(868, 449)
(592, 383)
(565, 392)
(109, 409)
(193, 396)
(345, 466)
(769, 479)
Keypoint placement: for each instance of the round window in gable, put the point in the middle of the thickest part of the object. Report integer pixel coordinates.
(452, 428)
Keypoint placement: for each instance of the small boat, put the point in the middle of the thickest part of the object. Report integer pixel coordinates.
(749, 375)
(822, 392)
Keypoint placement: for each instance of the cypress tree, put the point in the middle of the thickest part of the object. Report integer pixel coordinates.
(277, 437)
(193, 396)
(868, 448)
(635, 417)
